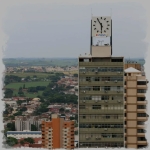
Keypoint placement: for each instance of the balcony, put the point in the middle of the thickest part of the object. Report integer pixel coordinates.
(100, 111)
(119, 101)
(142, 102)
(140, 134)
(101, 73)
(142, 86)
(93, 139)
(103, 64)
(104, 83)
(101, 92)
(142, 118)
(142, 142)
(141, 110)
(100, 120)
(100, 130)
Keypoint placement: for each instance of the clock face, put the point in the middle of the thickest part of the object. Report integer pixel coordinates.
(101, 26)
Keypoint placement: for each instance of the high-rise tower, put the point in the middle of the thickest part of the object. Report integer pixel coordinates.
(101, 90)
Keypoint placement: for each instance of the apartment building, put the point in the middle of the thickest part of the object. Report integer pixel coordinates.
(135, 107)
(24, 123)
(101, 91)
(57, 133)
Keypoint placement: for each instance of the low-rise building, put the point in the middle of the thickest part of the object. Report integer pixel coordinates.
(24, 134)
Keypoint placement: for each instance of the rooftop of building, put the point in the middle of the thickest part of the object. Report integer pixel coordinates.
(131, 70)
(24, 132)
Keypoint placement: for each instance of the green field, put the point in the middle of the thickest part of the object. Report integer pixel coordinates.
(16, 86)
(31, 74)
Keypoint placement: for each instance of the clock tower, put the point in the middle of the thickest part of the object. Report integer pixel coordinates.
(101, 36)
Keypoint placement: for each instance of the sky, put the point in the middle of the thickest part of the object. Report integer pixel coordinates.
(63, 29)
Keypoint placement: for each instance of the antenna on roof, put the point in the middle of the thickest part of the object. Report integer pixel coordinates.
(91, 13)
(110, 12)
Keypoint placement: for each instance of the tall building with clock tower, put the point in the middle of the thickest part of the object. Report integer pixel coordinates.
(101, 90)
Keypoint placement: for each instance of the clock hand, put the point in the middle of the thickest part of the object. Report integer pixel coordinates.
(100, 24)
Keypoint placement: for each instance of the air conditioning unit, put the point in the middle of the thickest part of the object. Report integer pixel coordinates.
(96, 101)
(84, 72)
(106, 101)
(83, 101)
(119, 101)
(118, 91)
(119, 72)
(116, 81)
(83, 91)
(105, 129)
(106, 81)
(96, 71)
(105, 91)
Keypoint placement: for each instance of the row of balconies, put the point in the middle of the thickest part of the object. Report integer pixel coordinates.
(101, 120)
(100, 139)
(101, 101)
(109, 83)
(118, 92)
(101, 130)
(103, 111)
(100, 74)
(102, 64)
(137, 118)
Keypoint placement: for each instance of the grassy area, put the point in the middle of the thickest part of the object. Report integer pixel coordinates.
(31, 74)
(16, 86)
(33, 95)
(27, 84)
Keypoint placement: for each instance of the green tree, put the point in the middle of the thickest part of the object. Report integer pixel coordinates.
(22, 142)
(61, 110)
(11, 141)
(8, 93)
(23, 109)
(30, 140)
(24, 86)
(72, 118)
(19, 102)
(11, 126)
(33, 127)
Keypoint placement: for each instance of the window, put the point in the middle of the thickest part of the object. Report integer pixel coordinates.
(88, 78)
(81, 106)
(141, 106)
(96, 97)
(141, 138)
(140, 123)
(141, 131)
(96, 88)
(141, 83)
(107, 88)
(83, 117)
(97, 79)
(140, 98)
(96, 107)
(104, 97)
(141, 91)
(141, 115)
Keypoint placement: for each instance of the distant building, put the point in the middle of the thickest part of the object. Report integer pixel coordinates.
(24, 134)
(58, 133)
(24, 123)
